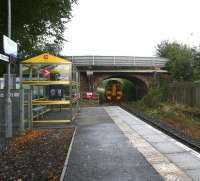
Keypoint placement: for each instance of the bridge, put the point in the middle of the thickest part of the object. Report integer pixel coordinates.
(120, 61)
(141, 71)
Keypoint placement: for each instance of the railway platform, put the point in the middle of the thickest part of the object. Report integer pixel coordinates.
(112, 144)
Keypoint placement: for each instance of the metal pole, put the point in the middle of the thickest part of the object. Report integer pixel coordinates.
(9, 18)
(22, 109)
(30, 112)
(8, 106)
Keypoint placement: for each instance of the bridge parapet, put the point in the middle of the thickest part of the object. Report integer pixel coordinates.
(118, 61)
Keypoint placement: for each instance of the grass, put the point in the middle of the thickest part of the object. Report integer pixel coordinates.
(183, 118)
(89, 102)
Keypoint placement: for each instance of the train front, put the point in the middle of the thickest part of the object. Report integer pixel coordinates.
(113, 92)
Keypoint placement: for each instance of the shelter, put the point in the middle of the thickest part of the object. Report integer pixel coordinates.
(54, 86)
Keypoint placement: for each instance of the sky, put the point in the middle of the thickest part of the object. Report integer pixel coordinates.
(130, 27)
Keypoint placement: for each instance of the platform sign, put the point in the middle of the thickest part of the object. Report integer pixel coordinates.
(9, 46)
(4, 58)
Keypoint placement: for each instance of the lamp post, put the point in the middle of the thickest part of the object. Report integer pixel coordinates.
(8, 103)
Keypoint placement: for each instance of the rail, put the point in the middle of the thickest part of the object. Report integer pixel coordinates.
(164, 128)
(118, 61)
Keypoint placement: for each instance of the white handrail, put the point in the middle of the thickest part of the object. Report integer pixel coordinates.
(118, 61)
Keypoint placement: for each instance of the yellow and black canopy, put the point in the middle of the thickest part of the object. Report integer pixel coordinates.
(46, 59)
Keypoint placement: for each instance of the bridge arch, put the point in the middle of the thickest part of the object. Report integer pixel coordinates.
(140, 83)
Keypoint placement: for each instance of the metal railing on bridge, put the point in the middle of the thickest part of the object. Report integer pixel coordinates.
(118, 61)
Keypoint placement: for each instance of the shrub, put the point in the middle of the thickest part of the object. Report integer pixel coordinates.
(153, 98)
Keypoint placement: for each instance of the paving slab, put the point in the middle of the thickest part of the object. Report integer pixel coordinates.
(162, 151)
(143, 130)
(168, 147)
(194, 173)
(156, 138)
(102, 152)
(185, 160)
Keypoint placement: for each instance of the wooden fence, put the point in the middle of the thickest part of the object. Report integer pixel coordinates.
(187, 93)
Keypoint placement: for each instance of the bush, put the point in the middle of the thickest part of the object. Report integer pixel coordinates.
(153, 98)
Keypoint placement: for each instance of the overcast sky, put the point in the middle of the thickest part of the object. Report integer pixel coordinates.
(130, 27)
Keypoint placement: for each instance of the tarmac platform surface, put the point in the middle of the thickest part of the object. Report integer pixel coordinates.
(112, 145)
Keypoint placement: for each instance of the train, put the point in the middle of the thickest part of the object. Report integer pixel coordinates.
(113, 92)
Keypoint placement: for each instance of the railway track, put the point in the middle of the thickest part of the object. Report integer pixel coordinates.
(186, 140)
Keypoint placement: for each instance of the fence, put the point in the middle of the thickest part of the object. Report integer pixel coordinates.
(20, 110)
(186, 93)
(118, 61)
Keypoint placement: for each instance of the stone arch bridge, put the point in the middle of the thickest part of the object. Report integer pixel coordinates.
(141, 71)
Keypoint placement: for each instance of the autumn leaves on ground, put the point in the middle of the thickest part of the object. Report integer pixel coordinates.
(36, 155)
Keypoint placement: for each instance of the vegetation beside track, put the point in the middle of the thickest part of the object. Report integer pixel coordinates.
(182, 118)
(89, 103)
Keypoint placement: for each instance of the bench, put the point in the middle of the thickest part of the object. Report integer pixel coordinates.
(39, 111)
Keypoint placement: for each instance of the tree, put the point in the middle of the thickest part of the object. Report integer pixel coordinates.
(36, 23)
(37, 26)
(196, 65)
(181, 59)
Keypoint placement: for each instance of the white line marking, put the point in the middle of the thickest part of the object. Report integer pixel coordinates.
(64, 171)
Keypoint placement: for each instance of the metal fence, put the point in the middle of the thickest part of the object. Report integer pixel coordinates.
(186, 93)
(20, 110)
(118, 61)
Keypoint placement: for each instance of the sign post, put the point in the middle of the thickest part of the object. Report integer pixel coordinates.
(10, 48)
(8, 103)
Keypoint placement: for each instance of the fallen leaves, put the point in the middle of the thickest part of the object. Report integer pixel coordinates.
(29, 136)
(36, 155)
